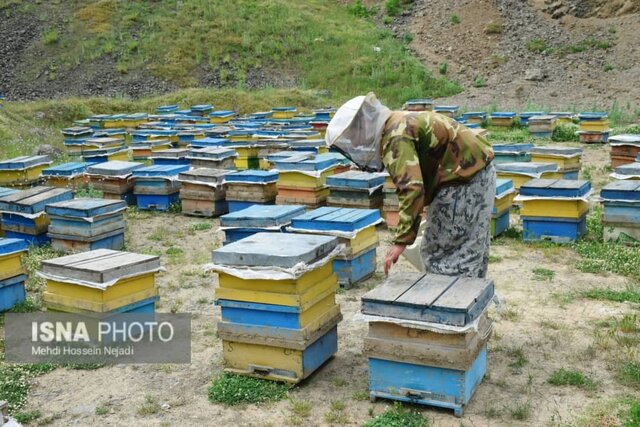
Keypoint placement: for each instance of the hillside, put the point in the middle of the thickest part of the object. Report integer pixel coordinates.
(558, 54)
(136, 48)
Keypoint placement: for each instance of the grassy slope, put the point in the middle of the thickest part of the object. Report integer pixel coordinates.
(317, 42)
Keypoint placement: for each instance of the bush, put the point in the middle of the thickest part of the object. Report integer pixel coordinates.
(392, 7)
(566, 133)
(537, 45)
(443, 68)
(479, 82)
(50, 36)
(455, 19)
(493, 28)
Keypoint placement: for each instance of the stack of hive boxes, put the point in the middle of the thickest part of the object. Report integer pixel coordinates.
(554, 209)
(447, 110)
(12, 274)
(142, 149)
(521, 172)
(421, 104)
(74, 138)
(3, 193)
(101, 281)
(104, 149)
(257, 219)
(507, 153)
(202, 110)
(621, 201)
(355, 189)
(391, 204)
(627, 171)
(526, 115)
(503, 119)
(542, 126)
(594, 127)
(505, 194)
(278, 322)
(213, 158)
(157, 187)
(83, 225)
(114, 179)
(427, 341)
(24, 216)
(624, 149)
(22, 172)
(568, 159)
(356, 229)
(250, 187)
(303, 179)
(475, 118)
(67, 175)
(203, 192)
(171, 157)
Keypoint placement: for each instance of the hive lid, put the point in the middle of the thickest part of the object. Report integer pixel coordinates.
(503, 185)
(621, 190)
(8, 246)
(512, 148)
(555, 188)
(260, 216)
(211, 176)
(160, 170)
(34, 199)
(100, 266)
(23, 162)
(336, 219)
(252, 176)
(283, 250)
(66, 169)
(629, 169)
(429, 298)
(355, 179)
(559, 150)
(526, 167)
(85, 208)
(114, 168)
(213, 153)
(625, 139)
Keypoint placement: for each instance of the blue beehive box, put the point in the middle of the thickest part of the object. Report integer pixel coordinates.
(209, 142)
(622, 190)
(23, 162)
(525, 116)
(87, 224)
(239, 205)
(252, 177)
(356, 180)
(4, 191)
(336, 219)
(630, 169)
(555, 188)
(621, 200)
(508, 153)
(171, 157)
(450, 110)
(557, 230)
(596, 116)
(256, 219)
(478, 115)
(356, 268)
(302, 163)
(156, 187)
(202, 109)
(12, 292)
(66, 169)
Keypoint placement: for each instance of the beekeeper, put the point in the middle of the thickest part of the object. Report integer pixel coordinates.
(434, 161)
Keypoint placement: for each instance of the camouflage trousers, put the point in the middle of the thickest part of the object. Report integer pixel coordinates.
(458, 232)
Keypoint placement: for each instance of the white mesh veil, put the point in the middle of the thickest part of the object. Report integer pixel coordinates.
(356, 131)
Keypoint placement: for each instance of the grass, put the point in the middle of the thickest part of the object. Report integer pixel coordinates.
(631, 294)
(565, 133)
(27, 416)
(493, 28)
(520, 411)
(518, 357)
(231, 390)
(149, 407)
(564, 377)
(314, 43)
(50, 36)
(543, 274)
(201, 226)
(455, 19)
(398, 416)
(479, 82)
(629, 374)
(301, 408)
(536, 45)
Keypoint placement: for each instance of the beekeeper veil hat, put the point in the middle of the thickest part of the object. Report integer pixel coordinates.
(356, 131)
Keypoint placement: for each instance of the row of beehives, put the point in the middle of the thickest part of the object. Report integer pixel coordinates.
(280, 315)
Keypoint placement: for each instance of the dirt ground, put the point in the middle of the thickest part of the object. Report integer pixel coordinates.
(540, 326)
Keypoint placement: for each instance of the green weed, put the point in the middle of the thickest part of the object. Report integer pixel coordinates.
(231, 390)
(443, 68)
(89, 192)
(520, 411)
(566, 133)
(201, 226)
(455, 19)
(50, 36)
(629, 374)
(537, 45)
(543, 274)
(27, 416)
(479, 82)
(398, 416)
(493, 28)
(631, 294)
(564, 377)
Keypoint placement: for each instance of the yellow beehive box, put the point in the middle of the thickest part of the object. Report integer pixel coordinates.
(504, 203)
(99, 281)
(564, 163)
(555, 208)
(297, 286)
(247, 152)
(594, 126)
(10, 266)
(304, 300)
(301, 180)
(17, 176)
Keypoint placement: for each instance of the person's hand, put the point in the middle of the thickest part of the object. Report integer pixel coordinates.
(392, 257)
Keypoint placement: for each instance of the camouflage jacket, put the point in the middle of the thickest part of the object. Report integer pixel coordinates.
(423, 151)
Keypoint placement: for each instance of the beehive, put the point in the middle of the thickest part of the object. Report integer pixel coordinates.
(568, 159)
(83, 225)
(423, 104)
(503, 119)
(23, 213)
(303, 180)
(522, 172)
(12, 273)
(447, 110)
(621, 219)
(508, 153)
(542, 126)
(258, 218)
(356, 229)
(525, 116)
(101, 281)
(500, 214)
(624, 149)
(203, 192)
(554, 210)
(249, 187)
(67, 175)
(280, 329)
(22, 171)
(408, 360)
(355, 189)
(157, 187)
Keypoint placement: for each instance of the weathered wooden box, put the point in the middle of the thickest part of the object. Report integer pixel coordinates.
(429, 298)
